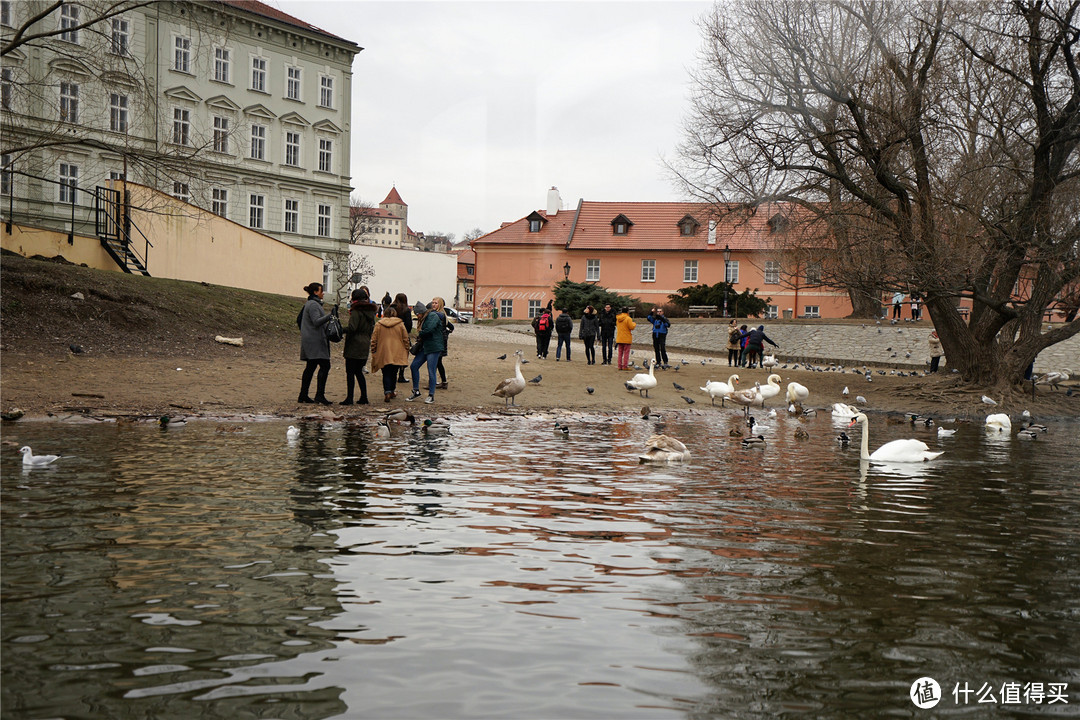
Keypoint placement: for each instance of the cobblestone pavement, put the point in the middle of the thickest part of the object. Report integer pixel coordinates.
(903, 345)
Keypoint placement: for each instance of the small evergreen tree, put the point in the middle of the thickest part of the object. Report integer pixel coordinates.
(744, 304)
(575, 296)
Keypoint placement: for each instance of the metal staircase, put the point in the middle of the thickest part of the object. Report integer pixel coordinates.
(113, 227)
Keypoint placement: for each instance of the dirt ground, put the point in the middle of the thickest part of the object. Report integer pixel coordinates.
(217, 381)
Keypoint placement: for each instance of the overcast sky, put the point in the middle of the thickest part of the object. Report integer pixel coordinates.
(474, 109)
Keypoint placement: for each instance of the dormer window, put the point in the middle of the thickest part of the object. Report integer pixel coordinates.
(536, 221)
(778, 223)
(688, 226)
(621, 225)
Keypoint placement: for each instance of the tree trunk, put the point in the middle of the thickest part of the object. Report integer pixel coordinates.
(862, 305)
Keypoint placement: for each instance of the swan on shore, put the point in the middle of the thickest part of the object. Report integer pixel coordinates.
(510, 388)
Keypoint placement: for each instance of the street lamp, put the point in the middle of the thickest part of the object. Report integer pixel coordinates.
(566, 271)
(727, 258)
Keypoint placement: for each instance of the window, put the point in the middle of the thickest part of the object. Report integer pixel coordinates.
(5, 174)
(771, 312)
(69, 102)
(258, 74)
(69, 21)
(292, 148)
(592, 270)
(116, 175)
(256, 208)
(534, 309)
(648, 271)
(326, 155)
(731, 271)
(220, 202)
(258, 142)
(221, 64)
(772, 272)
(5, 13)
(324, 221)
(182, 54)
(180, 190)
(221, 134)
(812, 311)
(69, 182)
(468, 294)
(813, 273)
(118, 113)
(470, 270)
(506, 308)
(326, 91)
(689, 271)
(181, 126)
(620, 228)
(292, 85)
(120, 36)
(534, 226)
(292, 215)
(6, 87)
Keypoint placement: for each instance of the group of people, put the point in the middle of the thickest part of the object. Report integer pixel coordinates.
(379, 332)
(614, 330)
(746, 347)
(898, 302)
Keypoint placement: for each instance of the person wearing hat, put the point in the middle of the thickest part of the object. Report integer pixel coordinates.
(432, 341)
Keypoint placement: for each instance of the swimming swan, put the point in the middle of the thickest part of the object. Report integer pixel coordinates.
(998, 422)
(909, 450)
(663, 448)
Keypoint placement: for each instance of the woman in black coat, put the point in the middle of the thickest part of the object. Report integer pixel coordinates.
(358, 343)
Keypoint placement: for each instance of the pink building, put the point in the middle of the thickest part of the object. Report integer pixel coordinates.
(646, 250)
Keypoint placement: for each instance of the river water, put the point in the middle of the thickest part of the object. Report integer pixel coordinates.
(219, 571)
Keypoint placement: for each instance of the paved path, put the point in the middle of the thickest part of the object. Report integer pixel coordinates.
(903, 345)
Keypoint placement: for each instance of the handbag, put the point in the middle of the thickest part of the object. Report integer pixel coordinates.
(333, 329)
(417, 348)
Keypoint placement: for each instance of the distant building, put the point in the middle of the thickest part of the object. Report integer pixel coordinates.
(465, 291)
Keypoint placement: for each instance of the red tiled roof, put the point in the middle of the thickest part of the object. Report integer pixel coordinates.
(553, 232)
(371, 212)
(262, 9)
(465, 254)
(393, 198)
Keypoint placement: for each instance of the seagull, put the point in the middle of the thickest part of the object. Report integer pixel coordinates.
(944, 432)
(678, 386)
(536, 380)
(989, 400)
(844, 392)
(29, 459)
(860, 399)
(292, 433)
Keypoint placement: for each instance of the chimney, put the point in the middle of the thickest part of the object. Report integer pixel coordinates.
(712, 232)
(554, 202)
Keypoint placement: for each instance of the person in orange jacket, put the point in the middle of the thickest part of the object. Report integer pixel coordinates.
(624, 326)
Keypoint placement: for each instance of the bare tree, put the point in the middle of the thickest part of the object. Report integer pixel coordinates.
(362, 220)
(937, 141)
(349, 270)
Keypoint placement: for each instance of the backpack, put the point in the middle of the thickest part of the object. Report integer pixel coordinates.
(544, 323)
(564, 324)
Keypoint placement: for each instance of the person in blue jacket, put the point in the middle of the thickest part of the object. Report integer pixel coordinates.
(660, 325)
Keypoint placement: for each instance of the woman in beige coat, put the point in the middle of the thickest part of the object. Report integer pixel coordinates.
(389, 350)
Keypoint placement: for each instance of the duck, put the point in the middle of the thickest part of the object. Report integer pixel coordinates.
(1036, 427)
(998, 422)
(166, 422)
(382, 429)
(648, 414)
(771, 389)
(1027, 434)
(399, 415)
(719, 389)
(945, 432)
(801, 434)
(292, 433)
(642, 382)
(29, 459)
(561, 430)
(510, 388)
(754, 442)
(436, 427)
(896, 451)
(664, 448)
(797, 393)
(843, 439)
(735, 432)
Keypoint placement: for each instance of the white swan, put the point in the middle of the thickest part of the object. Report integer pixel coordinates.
(29, 459)
(663, 448)
(748, 397)
(797, 393)
(292, 433)
(998, 422)
(642, 382)
(510, 388)
(771, 390)
(720, 389)
(769, 361)
(909, 450)
(843, 410)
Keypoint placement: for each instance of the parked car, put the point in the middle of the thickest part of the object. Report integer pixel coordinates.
(461, 317)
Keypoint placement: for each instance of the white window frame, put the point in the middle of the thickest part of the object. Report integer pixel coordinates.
(812, 311)
(690, 271)
(118, 113)
(220, 202)
(181, 131)
(468, 294)
(69, 182)
(648, 271)
(221, 134)
(258, 74)
(121, 37)
(506, 308)
(290, 215)
(326, 91)
(258, 142)
(256, 211)
(293, 78)
(181, 54)
(592, 270)
(731, 271)
(772, 312)
(326, 155)
(292, 148)
(181, 191)
(69, 101)
(772, 272)
(325, 220)
(222, 64)
(69, 21)
(534, 309)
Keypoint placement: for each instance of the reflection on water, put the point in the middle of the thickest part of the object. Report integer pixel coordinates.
(506, 572)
